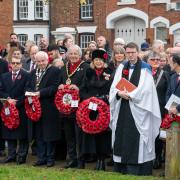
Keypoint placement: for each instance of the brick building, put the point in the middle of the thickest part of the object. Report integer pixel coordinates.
(6, 20)
(133, 20)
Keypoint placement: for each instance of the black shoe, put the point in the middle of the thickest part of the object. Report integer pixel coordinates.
(97, 165)
(39, 163)
(81, 164)
(71, 164)
(8, 160)
(157, 163)
(50, 164)
(21, 160)
(102, 165)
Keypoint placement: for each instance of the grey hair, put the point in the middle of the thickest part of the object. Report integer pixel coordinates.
(41, 54)
(75, 47)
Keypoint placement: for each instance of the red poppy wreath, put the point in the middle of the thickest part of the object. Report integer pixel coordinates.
(101, 122)
(64, 98)
(168, 120)
(33, 108)
(10, 116)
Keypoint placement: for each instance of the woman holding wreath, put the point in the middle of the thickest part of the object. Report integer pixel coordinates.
(72, 74)
(97, 83)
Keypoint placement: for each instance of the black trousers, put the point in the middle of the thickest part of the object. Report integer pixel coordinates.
(2, 144)
(22, 150)
(70, 136)
(144, 169)
(46, 151)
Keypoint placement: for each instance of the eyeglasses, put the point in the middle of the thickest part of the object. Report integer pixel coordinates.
(15, 63)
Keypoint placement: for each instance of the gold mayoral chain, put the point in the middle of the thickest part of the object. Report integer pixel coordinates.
(68, 81)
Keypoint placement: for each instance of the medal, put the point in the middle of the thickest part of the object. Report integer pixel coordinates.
(68, 81)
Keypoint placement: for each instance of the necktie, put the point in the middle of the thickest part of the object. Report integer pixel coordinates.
(33, 66)
(14, 76)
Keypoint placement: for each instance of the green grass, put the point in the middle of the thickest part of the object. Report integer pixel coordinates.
(12, 172)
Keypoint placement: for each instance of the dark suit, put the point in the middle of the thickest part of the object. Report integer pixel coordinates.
(174, 88)
(3, 69)
(47, 129)
(69, 122)
(15, 90)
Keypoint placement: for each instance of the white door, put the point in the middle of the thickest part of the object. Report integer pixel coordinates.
(131, 29)
(176, 36)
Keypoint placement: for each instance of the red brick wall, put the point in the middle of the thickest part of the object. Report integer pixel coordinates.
(6, 20)
(66, 13)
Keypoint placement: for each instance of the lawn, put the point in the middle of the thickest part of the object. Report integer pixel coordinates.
(25, 172)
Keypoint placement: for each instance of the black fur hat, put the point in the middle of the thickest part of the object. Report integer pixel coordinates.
(100, 53)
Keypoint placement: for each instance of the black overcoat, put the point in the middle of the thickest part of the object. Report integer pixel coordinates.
(15, 90)
(98, 87)
(48, 127)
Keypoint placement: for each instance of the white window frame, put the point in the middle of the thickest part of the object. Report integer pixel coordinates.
(126, 2)
(22, 38)
(84, 39)
(38, 9)
(86, 9)
(177, 4)
(37, 38)
(23, 9)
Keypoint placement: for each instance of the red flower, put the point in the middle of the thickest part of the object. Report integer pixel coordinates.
(102, 121)
(12, 120)
(126, 72)
(64, 98)
(105, 56)
(33, 109)
(169, 119)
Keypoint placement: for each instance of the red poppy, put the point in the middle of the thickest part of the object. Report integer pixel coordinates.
(126, 72)
(169, 119)
(33, 109)
(11, 120)
(102, 121)
(64, 98)
(105, 56)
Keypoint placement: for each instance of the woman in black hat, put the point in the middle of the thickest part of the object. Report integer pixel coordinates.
(97, 83)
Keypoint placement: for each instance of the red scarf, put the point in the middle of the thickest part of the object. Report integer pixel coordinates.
(99, 72)
(73, 66)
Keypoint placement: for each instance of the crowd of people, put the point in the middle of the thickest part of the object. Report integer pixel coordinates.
(132, 138)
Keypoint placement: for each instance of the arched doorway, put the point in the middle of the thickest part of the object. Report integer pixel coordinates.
(131, 29)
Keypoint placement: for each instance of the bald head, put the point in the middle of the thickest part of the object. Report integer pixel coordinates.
(41, 59)
(101, 41)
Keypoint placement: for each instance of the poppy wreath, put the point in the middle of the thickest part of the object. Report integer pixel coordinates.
(102, 120)
(168, 120)
(33, 108)
(64, 105)
(11, 120)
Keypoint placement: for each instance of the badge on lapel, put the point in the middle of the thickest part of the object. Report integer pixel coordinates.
(19, 77)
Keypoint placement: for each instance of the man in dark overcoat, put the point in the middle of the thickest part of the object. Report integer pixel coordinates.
(3, 69)
(12, 87)
(44, 82)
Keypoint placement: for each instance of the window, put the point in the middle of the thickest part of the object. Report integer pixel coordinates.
(87, 10)
(177, 6)
(161, 32)
(85, 39)
(38, 9)
(23, 9)
(37, 38)
(22, 38)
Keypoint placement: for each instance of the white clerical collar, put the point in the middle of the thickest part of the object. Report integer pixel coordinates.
(17, 72)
